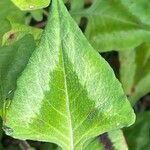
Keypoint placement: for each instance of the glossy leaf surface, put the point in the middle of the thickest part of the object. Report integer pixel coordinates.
(67, 93)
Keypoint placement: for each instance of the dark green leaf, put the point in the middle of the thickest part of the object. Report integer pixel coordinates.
(138, 135)
(13, 60)
(77, 5)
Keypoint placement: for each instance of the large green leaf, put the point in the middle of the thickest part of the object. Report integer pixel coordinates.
(138, 135)
(31, 4)
(113, 22)
(135, 76)
(67, 94)
(13, 60)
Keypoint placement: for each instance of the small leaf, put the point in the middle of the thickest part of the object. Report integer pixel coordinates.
(77, 5)
(67, 94)
(31, 5)
(18, 31)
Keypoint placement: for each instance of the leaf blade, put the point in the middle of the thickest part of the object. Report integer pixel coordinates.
(64, 86)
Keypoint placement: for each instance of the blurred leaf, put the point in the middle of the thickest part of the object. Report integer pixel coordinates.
(138, 135)
(139, 8)
(127, 70)
(135, 71)
(9, 11)
(37, 14)
(5, 27)
(113, 26)
(49, 146)
(77, 5)
(13, 60)
(1, 131)
(18, 31)
(117, 139)
(31, 5)
(63, 74)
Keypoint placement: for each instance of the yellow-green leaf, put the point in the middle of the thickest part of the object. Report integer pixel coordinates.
(31, 4)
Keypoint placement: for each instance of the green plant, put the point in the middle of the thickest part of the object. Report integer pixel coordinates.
(54, 87)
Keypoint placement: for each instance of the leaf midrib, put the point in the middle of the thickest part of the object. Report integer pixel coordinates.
(65, 81)
(67, 101)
